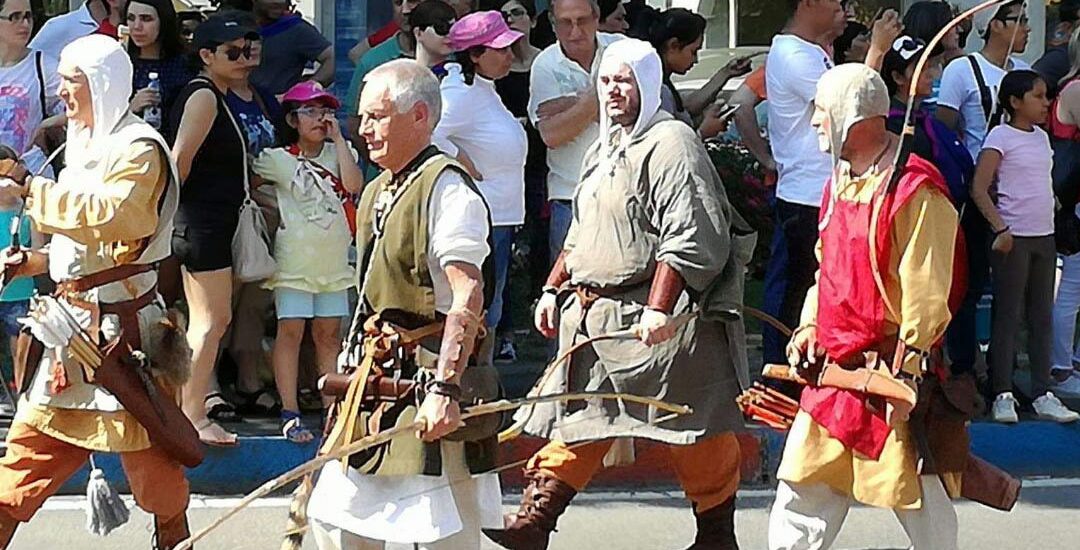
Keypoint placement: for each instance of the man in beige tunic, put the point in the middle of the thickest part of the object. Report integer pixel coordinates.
(110, 215)
(649, 247)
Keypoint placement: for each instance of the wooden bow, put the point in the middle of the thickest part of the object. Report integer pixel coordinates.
(364, 443)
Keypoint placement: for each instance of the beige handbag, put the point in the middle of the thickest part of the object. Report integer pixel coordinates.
(252, 253)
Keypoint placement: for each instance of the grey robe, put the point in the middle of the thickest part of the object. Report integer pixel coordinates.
(659, 200)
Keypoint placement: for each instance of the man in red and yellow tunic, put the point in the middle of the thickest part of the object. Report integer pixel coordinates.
(887, 251)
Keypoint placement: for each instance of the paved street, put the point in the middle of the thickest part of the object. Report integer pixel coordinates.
(1045, 520)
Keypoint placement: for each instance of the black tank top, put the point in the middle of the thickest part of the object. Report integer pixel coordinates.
(213, 190)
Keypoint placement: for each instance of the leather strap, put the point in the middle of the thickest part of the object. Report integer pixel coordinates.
(667, 286)
(127, 311)
(101, 278)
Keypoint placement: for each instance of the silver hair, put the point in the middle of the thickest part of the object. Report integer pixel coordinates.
(407, 83)
(594, 4)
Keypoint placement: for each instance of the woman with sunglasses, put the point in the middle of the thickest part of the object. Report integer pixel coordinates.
(520, 15)
(314, 176)
(155, 47)
(476, 125)
(678, 34)
(430, 23)
(209, 153)
(29, 104)
(260, 118)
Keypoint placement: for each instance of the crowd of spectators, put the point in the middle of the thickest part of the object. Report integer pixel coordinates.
(246, 107)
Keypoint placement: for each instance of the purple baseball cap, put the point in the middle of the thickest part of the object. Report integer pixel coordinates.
(482, 28)
(310, 90)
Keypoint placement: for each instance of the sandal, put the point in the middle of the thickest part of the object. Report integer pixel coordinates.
(292, 427)
(220, 410)
(309, 400)
(206, 424)
(258, 403)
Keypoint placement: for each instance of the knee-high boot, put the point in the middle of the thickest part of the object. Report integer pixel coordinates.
(716, 528)
(544, 500)
(168, 534)
(8, 525)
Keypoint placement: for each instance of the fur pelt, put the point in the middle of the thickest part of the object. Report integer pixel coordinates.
(165, 344)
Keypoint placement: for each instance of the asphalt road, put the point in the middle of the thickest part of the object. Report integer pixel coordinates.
(1048, 518)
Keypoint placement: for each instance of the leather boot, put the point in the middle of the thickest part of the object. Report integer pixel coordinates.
(716, 528)
(7, 530)
(169, 534)
(544, 500)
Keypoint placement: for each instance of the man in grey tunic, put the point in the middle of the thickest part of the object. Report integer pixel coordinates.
(649, 249)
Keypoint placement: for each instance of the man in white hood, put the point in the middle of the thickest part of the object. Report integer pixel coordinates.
(847, 446)
(110, 215)
(650, 242)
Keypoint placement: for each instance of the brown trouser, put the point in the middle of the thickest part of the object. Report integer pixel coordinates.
(707, 470)
(37, 465)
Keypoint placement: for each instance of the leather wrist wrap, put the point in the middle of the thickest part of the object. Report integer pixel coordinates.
(667, 286)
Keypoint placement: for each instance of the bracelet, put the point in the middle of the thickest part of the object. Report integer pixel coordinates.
(445, 389)
(554, 291)
(1001, 231)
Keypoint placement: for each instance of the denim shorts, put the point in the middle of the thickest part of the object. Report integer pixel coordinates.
(10, 313)
(299, 304)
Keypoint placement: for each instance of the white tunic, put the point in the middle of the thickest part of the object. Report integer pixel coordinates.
(421, 509)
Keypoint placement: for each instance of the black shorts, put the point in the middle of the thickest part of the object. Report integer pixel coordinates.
(204, 245)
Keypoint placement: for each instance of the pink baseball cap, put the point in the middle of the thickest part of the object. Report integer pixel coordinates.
(309, 90)
(482, 28)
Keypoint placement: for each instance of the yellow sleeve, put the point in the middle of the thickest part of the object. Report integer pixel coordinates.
(925, 235)
(122, 208)
(810, 305)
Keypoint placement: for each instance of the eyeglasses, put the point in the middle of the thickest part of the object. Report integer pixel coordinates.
(441, 28)
(16, 16)
(514, 12)
(234, 53)
(908, 47)
(315, 112)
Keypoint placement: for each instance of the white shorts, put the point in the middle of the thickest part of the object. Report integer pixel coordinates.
(299, 304)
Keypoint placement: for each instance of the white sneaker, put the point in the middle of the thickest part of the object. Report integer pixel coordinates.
(1049, 407)
(1004, 410)
(1070, 387)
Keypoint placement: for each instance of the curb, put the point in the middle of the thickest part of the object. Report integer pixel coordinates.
(1027, 449)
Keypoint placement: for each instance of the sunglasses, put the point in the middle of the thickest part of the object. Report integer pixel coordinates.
(234, 53)
(441, 28)
(16, 16)
(1022, 19)
(514, 12)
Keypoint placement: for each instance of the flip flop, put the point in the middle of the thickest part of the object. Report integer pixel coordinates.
(206, 423)
(292, 427)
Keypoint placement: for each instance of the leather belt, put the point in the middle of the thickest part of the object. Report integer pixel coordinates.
(101, 278)
(127, 310)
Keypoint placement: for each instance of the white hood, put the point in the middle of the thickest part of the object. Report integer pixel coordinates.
(642, 59)
(846, 95)
(108, 69)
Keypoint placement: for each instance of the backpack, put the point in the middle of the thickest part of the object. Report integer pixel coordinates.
(951, 157)
(993, 115)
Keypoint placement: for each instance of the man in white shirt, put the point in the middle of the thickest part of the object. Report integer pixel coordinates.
(87, 19)
(433, 496)
(792, 70)
(563, 104)
(965, 104)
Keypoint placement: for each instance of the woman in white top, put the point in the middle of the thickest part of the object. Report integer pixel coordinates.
(28, 84)
(476, 127)
(315, 182)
